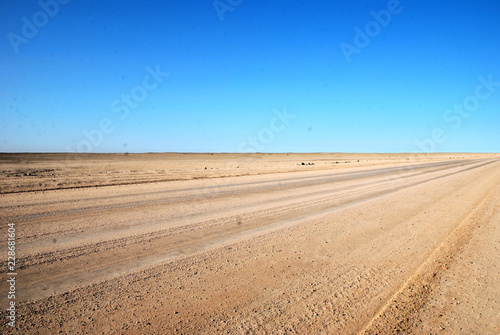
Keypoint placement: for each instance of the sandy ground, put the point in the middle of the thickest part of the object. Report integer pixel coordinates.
(252, 244)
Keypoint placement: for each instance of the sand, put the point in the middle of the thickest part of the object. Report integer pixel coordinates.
(252, 243)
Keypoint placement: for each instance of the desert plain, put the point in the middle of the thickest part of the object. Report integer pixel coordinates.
(333, 243)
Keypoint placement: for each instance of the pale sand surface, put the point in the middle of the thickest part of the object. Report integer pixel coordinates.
(253, 244)
(35, 172)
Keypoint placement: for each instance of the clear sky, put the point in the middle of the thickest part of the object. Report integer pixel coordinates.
(238, 76)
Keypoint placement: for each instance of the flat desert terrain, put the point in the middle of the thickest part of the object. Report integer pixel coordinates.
(252, 243)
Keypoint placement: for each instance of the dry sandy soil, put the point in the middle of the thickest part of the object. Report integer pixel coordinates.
(252, 244)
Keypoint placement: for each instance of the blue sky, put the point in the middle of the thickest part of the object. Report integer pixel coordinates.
(80, 76)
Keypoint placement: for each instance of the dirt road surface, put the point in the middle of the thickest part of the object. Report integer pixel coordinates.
(253, 244)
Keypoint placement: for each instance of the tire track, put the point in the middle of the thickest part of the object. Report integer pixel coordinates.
(143, 180)
(327, 200)
(399, 313)
(181, 245)
(216, 191)
(102, 210)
